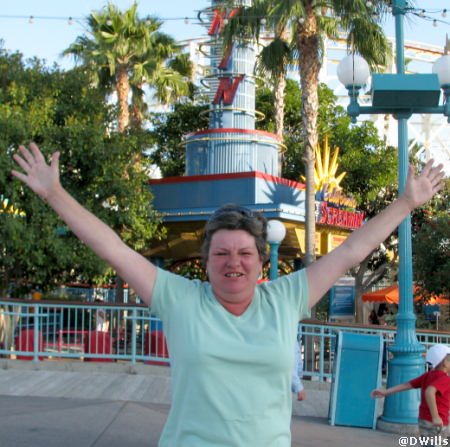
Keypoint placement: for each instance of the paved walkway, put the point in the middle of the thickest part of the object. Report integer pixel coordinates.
(70, 422)
(41, 408)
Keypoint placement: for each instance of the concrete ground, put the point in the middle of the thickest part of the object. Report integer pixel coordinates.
(73, 404)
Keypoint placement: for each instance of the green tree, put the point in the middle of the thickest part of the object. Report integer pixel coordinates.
(61, 112)
(168, 131)
(371, 167)
(272, 64)
(310, 22)
(431, 246)
(369, 163)
(432, 256)
(125, 50)
(128, 52)
(164, 69)
(371, 179)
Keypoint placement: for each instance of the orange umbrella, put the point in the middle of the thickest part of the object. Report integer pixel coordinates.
(387, 295)
(390, 295)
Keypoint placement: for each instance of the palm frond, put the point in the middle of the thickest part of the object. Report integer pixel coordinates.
(246, 23)
(274, 58)
(369, 40)
(182, 64)
(328, 26)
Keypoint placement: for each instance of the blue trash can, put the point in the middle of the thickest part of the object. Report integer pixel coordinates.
(357, 371)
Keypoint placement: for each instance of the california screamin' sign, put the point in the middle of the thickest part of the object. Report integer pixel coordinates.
(337, 209)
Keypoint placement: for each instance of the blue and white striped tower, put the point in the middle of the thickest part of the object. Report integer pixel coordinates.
(231, 144)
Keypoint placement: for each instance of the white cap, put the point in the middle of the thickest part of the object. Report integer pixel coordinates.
(436, 354)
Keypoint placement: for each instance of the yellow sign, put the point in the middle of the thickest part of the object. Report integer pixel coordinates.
(330, 241)
(325, 170)
(337, 240)
(334, 196)
(300, 233)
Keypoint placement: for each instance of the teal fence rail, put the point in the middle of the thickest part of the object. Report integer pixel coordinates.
(35, 330)
(319, 342)
(39, 331)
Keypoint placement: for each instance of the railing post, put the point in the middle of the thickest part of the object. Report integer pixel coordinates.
(321, 353)
(310, 352)
(133, 337)
(37, 311)
(60, 339)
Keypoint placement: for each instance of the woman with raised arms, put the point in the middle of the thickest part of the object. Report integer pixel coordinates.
(231, 343)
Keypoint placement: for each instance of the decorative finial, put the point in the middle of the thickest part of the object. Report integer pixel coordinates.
(447, 45)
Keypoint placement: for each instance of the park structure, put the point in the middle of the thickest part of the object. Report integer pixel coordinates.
(232, 162)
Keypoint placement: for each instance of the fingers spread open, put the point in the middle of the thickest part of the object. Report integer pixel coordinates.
(36, 152)
(21, 162)
(19, 175)
(436, 174)
(438, 187)
(55, 160)
(427, 168)
(26, 154)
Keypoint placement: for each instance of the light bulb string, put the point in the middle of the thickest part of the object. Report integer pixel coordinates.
(418, 12)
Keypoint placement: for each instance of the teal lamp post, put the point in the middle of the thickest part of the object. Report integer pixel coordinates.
(276, 231)
(401, 95)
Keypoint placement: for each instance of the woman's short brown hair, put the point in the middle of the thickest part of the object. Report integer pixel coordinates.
(236, 217)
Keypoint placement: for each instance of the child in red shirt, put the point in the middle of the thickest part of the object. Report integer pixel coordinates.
(434, 395)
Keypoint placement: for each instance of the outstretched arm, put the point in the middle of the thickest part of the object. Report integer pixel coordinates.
(43, 179)
(395, 389)
(328, 269)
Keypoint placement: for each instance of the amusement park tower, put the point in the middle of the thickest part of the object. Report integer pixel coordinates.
(231, 144)
(232, 161)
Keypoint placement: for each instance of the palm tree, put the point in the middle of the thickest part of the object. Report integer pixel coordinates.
(272, 63)
(125, 51)
(310, 22)
(273, 59)
(165, 69)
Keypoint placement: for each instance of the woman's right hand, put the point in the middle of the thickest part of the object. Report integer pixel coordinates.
(39, 176)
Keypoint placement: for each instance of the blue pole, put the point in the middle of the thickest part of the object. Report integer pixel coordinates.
(407, 361)
(273, 273)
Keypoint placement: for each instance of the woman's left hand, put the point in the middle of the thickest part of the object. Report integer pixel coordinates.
(419, 189)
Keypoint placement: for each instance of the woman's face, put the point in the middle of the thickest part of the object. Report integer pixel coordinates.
(233, 265)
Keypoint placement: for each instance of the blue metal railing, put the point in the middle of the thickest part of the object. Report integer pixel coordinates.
(37, 330)
(319, 342)
(94, 331)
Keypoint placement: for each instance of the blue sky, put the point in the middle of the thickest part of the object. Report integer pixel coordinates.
(50, 32)
(47, 36)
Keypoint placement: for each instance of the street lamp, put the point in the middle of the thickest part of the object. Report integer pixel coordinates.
(276, 231)
(401, 95)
